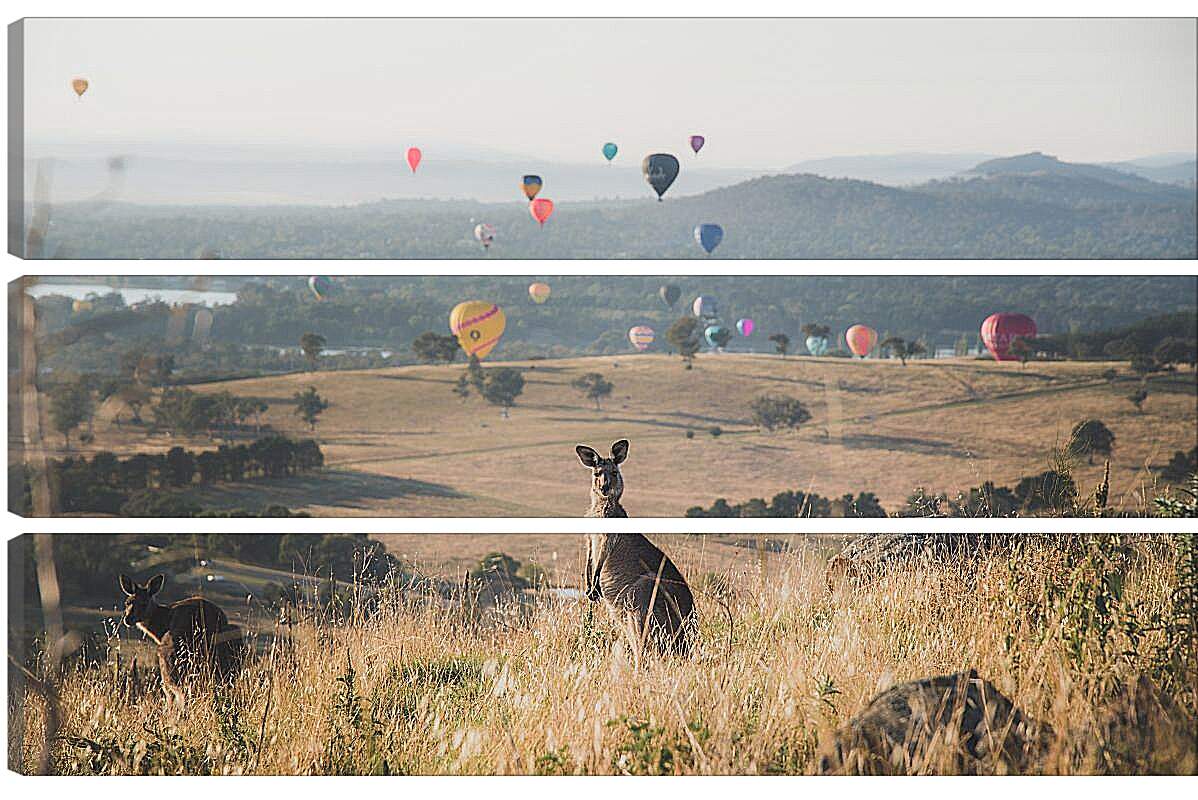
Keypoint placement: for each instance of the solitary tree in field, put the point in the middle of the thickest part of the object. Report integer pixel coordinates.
(902, 348)
(70, 404)
(1089, 437)
(309, 405)
(432, 348)
(475, 375)
(774, 411)
(502, 386)
(1138, 397)
(781, 344)
(1023, 348)
(1143, 365)
(311, 344)
(683, 336)
(593, 386)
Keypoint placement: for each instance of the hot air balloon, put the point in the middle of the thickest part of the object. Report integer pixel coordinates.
(641, 337)
(531, 185)
(485, 234)
(539, 292)
(541, 209)
(861, 339)
(414, 156)
(321, 286)
(817, 345)
(669, 294)
(660, 170)
(709, 236)
(609, 151)
(79, 306)
(745, 326)
(79, 85)
(714, 334)
(697, 143)
(704, 307)
(1000, 330)
(478, 326)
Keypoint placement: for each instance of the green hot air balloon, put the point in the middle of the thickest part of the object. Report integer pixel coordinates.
(660, 170)
(669, 294)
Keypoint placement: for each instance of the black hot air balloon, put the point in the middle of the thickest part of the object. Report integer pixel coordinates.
(669, 294)
(660, 171)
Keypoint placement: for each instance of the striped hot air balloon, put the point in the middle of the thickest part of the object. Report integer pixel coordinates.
(641, 336)
(478, 326)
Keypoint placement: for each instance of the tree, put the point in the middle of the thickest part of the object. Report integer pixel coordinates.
(773, 411)
(501, 567)
(309, 405)
(134, 395)
(502, 386)
(431, 348)
(683, 336)
(902, 348)
(475, 374)
(1023, 349)
(180, 466)
(781, 344)
(70, 404)
(1143, 365)
(312, 344)
(593, 386)
(462, 387)
(815, 329)
(1138, 397)
(1175, 350)
(1089, 437)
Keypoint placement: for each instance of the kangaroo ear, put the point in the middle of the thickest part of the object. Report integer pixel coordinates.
(587, 455)
(619, 451)
(155, 584)
(127, 585)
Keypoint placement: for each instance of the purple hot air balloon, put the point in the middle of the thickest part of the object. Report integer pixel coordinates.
(697, 143)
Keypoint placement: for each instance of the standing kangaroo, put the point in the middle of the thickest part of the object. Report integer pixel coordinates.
(637, 582)
(194, 637)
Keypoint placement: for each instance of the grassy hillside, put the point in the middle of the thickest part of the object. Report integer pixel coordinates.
(398, 442)
(415, 688)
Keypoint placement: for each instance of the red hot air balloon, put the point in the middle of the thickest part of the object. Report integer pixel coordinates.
(861, 339)
(414, 155)
(540, 209)
(1000, 330)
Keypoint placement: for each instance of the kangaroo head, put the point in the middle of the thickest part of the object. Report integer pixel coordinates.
(139, 598)
(606, 483)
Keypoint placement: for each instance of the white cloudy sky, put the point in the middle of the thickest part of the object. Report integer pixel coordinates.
(766, 93)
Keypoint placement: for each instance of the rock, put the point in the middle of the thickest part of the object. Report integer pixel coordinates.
(949, 725)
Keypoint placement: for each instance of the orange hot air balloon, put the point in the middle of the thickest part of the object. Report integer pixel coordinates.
(79, 85)
(541, 209)
(414, 155)
(861, 339)
(539, 292)
(478, 326)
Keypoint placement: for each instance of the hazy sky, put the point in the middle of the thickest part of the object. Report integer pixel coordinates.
(765, 93)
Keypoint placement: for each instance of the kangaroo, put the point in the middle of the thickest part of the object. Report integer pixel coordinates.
(636, 581)
(194, 637)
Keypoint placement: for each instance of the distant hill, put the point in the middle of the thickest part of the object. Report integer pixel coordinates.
(1030, 206)
(900, 169)
(1184, 173)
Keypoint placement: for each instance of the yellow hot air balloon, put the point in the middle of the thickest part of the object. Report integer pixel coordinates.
(539, 292)
(79, 85)
(478, 326)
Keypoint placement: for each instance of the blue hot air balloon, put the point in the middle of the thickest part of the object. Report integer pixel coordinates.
(610, 150)
(817, 345)
(716, 335)
(709, 235)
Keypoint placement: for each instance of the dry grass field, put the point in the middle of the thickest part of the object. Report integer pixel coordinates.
(399, 442)
(1089, 637)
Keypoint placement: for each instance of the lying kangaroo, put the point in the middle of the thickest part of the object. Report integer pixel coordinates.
(194, 637)
(637, 582)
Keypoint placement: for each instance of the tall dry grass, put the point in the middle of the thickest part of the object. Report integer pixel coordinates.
(410, 687)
